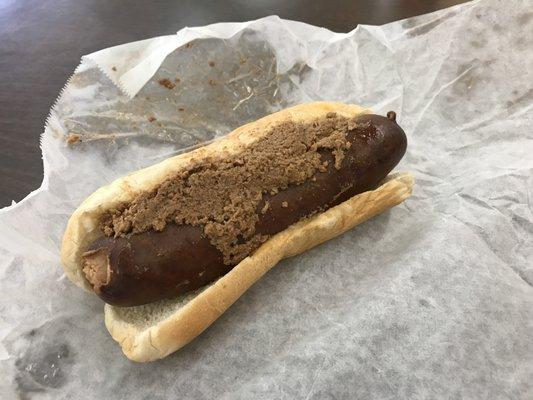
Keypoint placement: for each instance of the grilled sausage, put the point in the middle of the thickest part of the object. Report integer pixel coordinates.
(151, 266)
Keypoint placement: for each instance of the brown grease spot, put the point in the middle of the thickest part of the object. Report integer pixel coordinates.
(524, 18)
(73, 138)
(166, 83)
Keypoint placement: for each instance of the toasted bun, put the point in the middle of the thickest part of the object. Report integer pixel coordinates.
(153, 331)
(82, 228)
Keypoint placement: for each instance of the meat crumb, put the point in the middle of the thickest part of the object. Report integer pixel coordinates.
(151, 118)
(114, 68)
(265, 207)
(323, 167)
(188, 45)
(212, 82)
(181, 109)
(166, 83)
(73, 138)
(177, 80)
(211, 63)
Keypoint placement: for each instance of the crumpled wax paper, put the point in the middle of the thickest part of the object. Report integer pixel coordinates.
(432, 299)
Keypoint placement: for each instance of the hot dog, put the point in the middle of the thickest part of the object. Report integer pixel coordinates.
(200, 228)
(144, 267)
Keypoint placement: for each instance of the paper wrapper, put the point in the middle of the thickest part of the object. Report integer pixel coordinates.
(430, 300)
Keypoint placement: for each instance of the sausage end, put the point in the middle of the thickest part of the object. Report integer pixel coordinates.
(96, 267)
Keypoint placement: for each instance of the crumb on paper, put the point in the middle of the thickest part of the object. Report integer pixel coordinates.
(151, 118)
(177, 80)
(160, 124)
(181, 109)
(242, 61)
(188, 45)
(212, 82)
(73, 138)
(114, 68)
(284, 204)
(211, 63)
(166, 83)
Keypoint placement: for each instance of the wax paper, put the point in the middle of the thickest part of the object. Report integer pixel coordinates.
(432, 299)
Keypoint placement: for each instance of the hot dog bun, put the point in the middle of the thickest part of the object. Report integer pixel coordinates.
(155, 330)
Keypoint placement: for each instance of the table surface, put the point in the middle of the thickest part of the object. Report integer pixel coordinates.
(41, 42)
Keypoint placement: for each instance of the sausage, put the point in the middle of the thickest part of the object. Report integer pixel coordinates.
(151, 266)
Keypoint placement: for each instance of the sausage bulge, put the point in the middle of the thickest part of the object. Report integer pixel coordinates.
(155, 265)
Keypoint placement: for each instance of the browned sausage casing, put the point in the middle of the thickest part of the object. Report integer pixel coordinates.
(151, 266)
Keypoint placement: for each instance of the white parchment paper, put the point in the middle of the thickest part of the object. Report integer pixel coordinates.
(433, 299)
